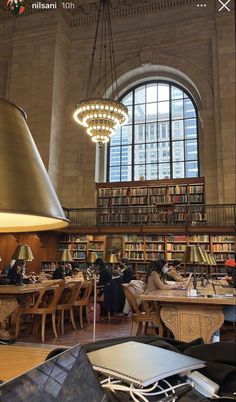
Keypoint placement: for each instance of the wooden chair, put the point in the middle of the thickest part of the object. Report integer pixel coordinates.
(141, 313)
(84, 301)
(66, 303)
(44, 304)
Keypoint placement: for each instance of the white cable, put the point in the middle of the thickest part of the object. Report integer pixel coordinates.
(169, 385)
(162, 392)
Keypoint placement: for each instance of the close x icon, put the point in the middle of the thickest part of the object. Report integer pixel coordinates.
(224, 5)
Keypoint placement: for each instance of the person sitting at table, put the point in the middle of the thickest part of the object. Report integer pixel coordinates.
(155, 278)
(105, 274)
(15, 274)
(7, 268)
(173, 273)
(127, 270)
(59, 272)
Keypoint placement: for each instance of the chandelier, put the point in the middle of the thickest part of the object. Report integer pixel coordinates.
(100, 116)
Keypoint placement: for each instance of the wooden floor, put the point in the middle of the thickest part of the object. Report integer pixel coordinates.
(117, 327)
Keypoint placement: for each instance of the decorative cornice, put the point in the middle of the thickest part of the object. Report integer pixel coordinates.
(85, 12)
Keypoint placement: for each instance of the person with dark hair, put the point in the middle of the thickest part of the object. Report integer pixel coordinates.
(15, 274)
(127, 270)
(155, 278)
(104, 272)
(59, 272)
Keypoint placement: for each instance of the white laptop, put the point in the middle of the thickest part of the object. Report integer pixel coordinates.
(141, 364)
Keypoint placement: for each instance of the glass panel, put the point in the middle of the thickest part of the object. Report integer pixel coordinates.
(125, 173)
(191, 169)
(126, 155)
(189, 110)
(139, 133)
(178, 170)
(177, 130)
(114, 156)
(191, 150)
(139, 172)
(151, 93)
(151, 111)
(139, 114)
(151, 153)
(151, 132)
(178, 150)
(115, 139)
(163, 131)
(139, 153)
(151, 172)
(190, 128)
(163, 152)
(177, 109)
(164, 170)
(114, 173)
(130, 114)
(163, 110)
(139, 95)
(163, 92)
(128, 99)
(126, 135)
(176, 93)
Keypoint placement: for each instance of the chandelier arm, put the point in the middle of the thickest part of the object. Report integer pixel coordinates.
(94, 51)
(112, 50)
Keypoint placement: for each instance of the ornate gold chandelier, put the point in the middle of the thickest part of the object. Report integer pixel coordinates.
(100, 116)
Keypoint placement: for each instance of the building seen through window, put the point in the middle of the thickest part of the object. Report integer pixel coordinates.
(160, 139)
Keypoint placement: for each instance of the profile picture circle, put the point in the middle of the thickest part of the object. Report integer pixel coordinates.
(16, 7)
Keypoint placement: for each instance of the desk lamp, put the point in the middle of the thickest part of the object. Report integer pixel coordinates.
(112, 259)
(208, 267)
(23, 252)
(66, 257)
(193, 255)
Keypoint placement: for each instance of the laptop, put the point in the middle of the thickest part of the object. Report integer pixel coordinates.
(140, 364)
(68, 377)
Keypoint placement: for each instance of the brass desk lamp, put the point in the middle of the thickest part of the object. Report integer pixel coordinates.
(193, 255)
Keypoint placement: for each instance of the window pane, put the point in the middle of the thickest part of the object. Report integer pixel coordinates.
(192, 169)
(163, 92)
(177, 109)
(176, 93)
(163, 110)
(178, 170)
(151, 132)
(151, 111)
(114, 173)
(151, 93)
(151, 172)
(128, 99)
(139, 153)
(126, 153)
(164, 170)
(127, 135)
(191, 150)
(189, 110)
(139, 95)
(130, 114)
(139, 172)
(190, 128)
(139, 114)
(177, 130)
(139, 133)
(115, 138)
(164, 152)
(178, 151)
(126, 173)
(151, 153)
(115, 156)
(163, 131)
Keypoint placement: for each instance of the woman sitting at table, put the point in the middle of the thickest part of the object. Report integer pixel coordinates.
(155, 278)
(15, 274)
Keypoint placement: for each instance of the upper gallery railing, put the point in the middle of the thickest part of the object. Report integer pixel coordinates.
(162, 215)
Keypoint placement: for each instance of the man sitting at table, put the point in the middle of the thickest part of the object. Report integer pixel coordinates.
(15, 274)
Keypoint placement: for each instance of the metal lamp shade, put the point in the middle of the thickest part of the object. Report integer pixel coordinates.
(92, 258)
(212, 259)
(28, 201)
(23, 252)
(112, 259)
(207, 257)
(66, 256)
(193, 254)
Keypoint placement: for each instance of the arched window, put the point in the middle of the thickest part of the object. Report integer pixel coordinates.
(160, 140)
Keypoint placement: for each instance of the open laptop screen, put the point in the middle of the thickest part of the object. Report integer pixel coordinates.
(68, 376)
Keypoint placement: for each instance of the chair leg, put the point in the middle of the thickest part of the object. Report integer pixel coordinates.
(43, 321)
(17, 326)
(62, 321)
(135, 328)
(36, 324)
(87, 314)
(81, 316)
(72, 318)
(54, 324)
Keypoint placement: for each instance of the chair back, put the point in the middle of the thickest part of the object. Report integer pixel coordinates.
(52, 296)
(131, 294)
(87, 288)
(70, 293)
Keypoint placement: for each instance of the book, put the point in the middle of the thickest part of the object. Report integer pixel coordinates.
(140, 364)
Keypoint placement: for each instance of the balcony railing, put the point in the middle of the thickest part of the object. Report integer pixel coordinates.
(163, 215)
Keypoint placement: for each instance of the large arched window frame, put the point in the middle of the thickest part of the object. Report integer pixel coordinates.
(160, 140)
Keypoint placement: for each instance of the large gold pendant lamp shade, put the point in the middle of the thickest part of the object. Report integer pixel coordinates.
(28, 200)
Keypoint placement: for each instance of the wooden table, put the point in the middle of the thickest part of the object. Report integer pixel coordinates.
(191, 317)
(17, 359)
